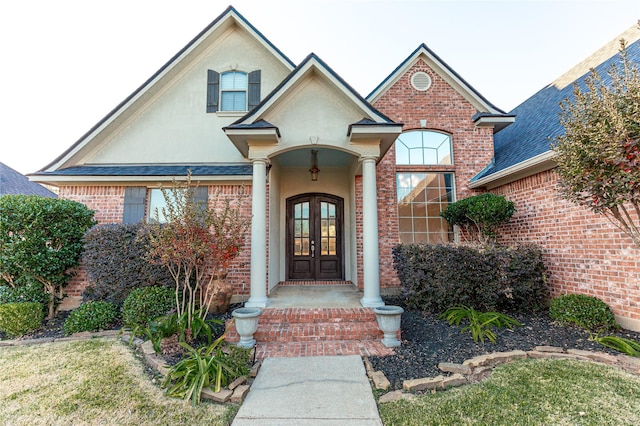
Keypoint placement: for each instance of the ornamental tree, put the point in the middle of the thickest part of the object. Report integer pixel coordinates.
(480, 215)
(41, 238)
(598, 156)
(196, 244)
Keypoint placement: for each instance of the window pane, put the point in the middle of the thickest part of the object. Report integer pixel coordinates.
(421, 198)
(234, 101)
(233, 80)
(423, 147)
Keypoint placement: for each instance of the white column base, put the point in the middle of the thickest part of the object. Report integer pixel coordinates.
(257, 302)
(371, 302)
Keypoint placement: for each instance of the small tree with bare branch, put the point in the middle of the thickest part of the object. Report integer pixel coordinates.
(598, 156)
(197, 244)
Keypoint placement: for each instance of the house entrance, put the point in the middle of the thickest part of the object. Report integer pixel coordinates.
(315, 237)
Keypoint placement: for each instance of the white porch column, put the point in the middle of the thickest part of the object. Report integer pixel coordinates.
(371, 264)
(258, 296)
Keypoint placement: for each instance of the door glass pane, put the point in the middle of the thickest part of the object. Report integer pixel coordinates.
(301, 229)
(328, 228)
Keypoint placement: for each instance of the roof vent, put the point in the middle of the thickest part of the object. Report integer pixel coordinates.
(421, 81)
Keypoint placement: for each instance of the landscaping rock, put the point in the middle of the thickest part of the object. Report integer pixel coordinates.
(396, 396)
(480, 373)
(453, 381)
(602, 357)
(237, 382)
(380, 380)
(147, 348)
(629, 363)
(239, 393)
(451, 367)
(422, 384)
(554, 355)
(223, 396)
(254, 370)
(368, 367)
(28, 342)
(549, 349)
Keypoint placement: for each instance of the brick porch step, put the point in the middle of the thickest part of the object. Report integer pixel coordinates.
(316, 331)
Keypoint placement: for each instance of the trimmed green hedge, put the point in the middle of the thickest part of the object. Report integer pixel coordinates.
(584, 311)
(90, 316)
(437, 277)
(146, 304)
(17, 319)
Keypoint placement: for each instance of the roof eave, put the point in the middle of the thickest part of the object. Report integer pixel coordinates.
(62, 180)
(532, 166)
(497, 122)
(240, 137)
(386, 133)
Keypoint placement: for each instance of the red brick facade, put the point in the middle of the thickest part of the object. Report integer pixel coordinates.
(445, 110)
(108, 203)
(583, 251)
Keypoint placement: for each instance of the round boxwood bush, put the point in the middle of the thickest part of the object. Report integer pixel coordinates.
(17, 319)
(145, 304)
(585, 311)
(90, 316)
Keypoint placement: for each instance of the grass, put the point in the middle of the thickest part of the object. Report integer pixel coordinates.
(529, 392)
(90, 382)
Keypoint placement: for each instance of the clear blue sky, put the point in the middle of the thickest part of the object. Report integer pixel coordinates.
(67, 63)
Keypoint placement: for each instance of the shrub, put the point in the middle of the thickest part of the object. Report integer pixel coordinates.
(480, 215)
(585, 311)
(146, 304)
(116, 260)
(17, 319)
(27, 291)
(90, 316)
(50, 241)
(480, 323)
(437, 277)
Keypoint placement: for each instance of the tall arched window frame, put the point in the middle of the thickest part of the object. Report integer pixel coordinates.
(425, 183)
(424, 147)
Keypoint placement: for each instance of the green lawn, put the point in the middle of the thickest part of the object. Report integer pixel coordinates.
(530, 392)
(90, 382)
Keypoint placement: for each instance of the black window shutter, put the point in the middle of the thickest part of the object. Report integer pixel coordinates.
(134, 204)
(213, 91)
(254, 89)
(202, 196)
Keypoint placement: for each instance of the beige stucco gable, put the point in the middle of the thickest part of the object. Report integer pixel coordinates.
(165, 121)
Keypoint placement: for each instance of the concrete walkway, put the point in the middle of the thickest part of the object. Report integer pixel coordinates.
(331, 390)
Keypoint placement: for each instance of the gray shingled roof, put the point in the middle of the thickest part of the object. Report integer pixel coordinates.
(537, 119)
(153, 170)
(12, 182)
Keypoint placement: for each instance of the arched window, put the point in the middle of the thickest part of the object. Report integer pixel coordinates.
(422, 192)
(424, 147)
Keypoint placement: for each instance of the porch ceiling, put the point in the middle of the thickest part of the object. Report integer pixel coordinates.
(326, 158)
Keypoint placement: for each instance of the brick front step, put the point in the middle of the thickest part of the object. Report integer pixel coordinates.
(327, 348)
(323, 327)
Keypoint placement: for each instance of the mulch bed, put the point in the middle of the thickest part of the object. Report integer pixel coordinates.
(427, 341)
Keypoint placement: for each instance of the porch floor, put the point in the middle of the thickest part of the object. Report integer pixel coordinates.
(315, 296)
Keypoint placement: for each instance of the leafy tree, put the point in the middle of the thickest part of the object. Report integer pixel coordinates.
(42, 239)
(480, 215)
(598, 156)
(197, 244)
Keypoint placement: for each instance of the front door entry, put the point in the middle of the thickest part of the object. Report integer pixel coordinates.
(314, 237)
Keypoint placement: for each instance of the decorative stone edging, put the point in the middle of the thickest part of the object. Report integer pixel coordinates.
(234, 393)
(480, 367)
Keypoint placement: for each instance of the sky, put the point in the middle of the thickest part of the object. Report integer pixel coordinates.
(67, 63)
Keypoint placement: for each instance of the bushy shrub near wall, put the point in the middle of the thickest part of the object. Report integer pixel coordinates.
(585, 311)
(116, 260)
(17, 319)
(437, 277)
(90, 316)
(27, 290)
(146, 304)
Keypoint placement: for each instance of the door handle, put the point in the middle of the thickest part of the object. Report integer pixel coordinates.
(313, 249)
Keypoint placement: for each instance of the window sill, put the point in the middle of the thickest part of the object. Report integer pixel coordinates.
(231, 113)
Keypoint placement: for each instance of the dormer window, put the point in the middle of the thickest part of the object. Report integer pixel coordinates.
(233, 91)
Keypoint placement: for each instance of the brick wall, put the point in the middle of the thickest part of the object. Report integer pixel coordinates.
(445, 110)
(108, 203)
(584, 252)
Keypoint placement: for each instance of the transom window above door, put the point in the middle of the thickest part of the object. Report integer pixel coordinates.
(424, 147)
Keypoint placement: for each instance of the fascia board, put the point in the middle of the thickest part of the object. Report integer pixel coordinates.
(537, 164)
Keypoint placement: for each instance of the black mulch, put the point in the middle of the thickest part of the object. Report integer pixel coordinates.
(427, 341)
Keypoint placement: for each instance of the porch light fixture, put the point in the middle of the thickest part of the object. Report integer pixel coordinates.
(314, 170)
